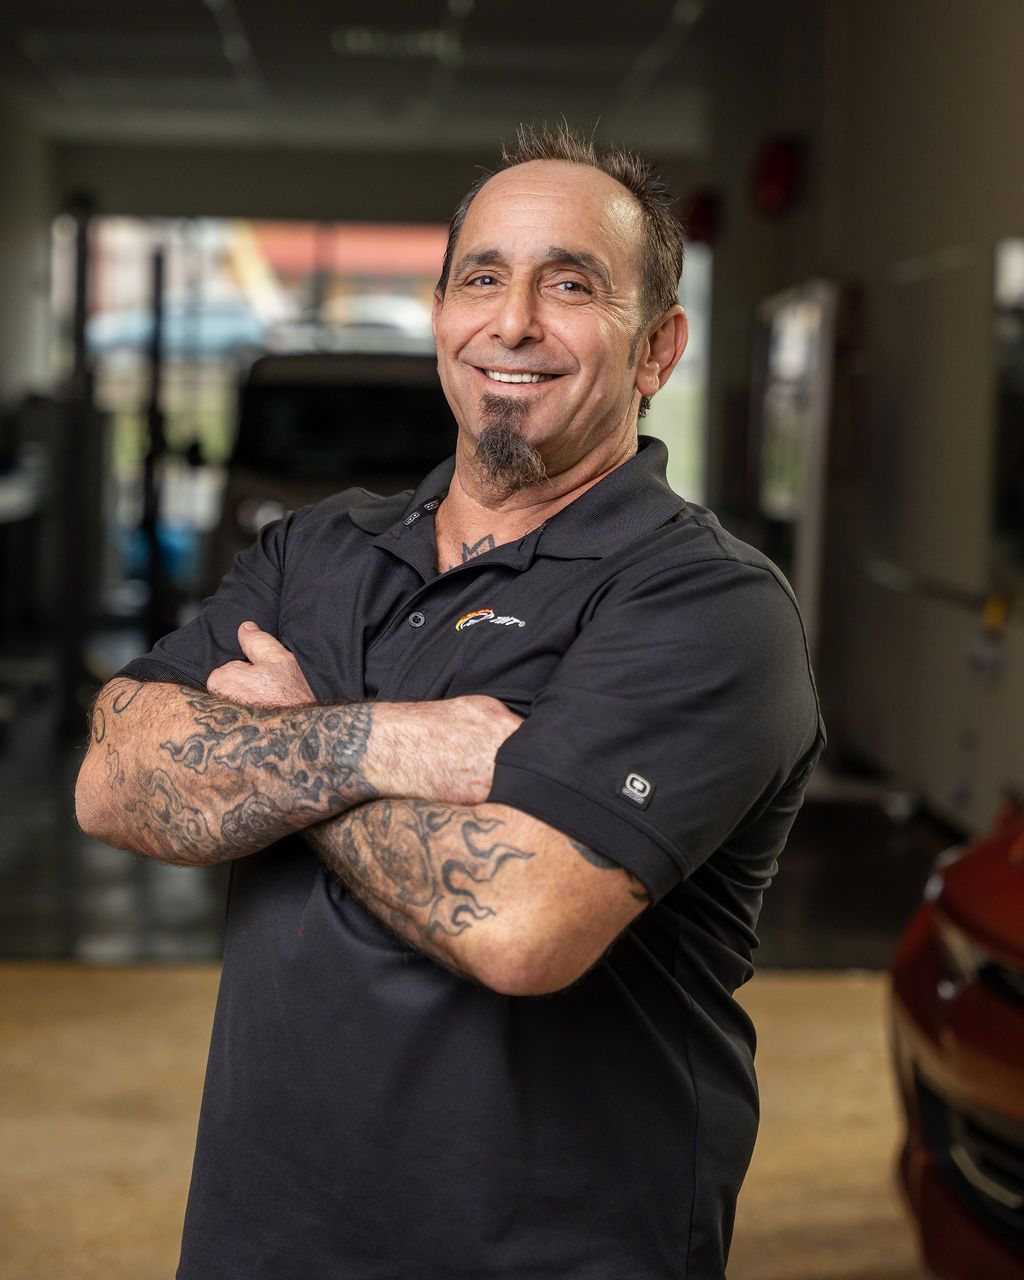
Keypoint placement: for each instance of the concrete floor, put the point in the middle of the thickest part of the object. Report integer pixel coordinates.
(100, 1077)
(821, 1200)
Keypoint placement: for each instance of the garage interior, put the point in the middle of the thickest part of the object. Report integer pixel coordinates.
(869, 145)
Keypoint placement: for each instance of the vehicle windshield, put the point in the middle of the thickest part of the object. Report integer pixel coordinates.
(323, 432)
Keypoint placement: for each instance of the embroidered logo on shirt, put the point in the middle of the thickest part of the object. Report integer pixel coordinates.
(637, 789)
(487, 615)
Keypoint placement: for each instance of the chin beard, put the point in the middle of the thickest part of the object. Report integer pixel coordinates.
(508, 461)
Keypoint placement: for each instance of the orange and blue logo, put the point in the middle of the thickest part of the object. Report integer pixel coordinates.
(487, 615)
(471, 619)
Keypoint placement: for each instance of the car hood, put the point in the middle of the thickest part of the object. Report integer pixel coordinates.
(983, 891)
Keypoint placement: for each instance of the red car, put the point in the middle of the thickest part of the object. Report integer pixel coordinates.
(958, 1041)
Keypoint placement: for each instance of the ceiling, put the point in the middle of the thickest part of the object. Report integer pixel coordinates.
(432, 74)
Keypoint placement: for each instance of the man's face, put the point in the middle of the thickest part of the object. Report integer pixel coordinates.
(543, 309)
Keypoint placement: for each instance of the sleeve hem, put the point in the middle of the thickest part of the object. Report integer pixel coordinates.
(596, 825)
(159, 669)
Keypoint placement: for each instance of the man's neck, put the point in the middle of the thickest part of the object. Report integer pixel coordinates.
(474, 518)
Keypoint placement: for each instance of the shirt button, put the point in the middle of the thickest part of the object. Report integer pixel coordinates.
(416, 619)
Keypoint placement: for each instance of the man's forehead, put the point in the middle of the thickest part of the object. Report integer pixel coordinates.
(603, 215)
(560, 182)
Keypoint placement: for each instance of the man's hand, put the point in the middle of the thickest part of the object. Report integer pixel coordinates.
(443, 751)
(270, 678)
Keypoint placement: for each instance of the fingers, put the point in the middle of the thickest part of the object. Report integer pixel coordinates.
(268, 675)
(220, 680)
(260, 646)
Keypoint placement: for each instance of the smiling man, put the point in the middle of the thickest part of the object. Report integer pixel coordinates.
(504, 766)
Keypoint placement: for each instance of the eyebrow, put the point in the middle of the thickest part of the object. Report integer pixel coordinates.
(585, 261)
(556, 253)
(481, 258)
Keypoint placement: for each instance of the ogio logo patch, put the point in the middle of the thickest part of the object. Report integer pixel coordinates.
(487, 615)
(637, 789)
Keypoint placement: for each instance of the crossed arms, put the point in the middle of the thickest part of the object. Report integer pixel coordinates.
(390, 796)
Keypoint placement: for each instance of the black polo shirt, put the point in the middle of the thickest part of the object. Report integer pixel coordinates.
(368, 1114)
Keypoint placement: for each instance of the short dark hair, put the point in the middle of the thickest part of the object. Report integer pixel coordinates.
(662, 253)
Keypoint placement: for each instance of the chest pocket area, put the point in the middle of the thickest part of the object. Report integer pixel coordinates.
(331, 660)
(505, 662)
(326, 623)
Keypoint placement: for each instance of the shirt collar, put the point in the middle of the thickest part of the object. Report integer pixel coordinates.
(630, 501)
(377, 515)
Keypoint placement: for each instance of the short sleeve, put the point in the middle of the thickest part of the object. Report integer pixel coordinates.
(677, 716)
(250, 589)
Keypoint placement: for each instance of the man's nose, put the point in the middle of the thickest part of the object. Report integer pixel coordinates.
(516, 316)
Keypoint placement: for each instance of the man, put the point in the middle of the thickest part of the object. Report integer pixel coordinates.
(505, 766)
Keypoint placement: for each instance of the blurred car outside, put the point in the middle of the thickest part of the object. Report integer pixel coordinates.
(216, 329)
(313, 423)
(958, 1045)
(357, 322)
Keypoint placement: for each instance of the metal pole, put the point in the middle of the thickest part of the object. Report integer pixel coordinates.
(158, 607)
(75, 503)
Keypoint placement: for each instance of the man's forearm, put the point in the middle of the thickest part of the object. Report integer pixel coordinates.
(427, 870)
(485, 890)
(192, 777)
(187, 777)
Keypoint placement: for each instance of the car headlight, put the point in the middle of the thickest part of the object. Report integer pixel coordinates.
(937, 874)
(964, 958)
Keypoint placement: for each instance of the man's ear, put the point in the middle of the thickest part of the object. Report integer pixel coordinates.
(660, 350)
(435, 308)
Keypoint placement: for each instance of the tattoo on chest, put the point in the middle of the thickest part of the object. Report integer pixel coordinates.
(486, 543)
(471, 550)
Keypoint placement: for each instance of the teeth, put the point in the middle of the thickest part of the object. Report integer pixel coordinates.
(495, 376)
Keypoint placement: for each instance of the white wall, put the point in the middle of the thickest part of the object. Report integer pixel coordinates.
(914, 116)
(25, 212)
(931, 131)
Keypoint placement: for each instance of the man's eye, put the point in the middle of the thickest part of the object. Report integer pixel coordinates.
(571, 286)
(481, 280)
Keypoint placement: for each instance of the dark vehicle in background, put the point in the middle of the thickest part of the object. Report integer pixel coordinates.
(958, 1041)
(311, 424)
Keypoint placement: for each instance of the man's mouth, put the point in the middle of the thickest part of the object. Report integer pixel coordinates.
(496, 375)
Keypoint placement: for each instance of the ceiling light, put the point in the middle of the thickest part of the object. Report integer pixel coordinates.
(370, 42)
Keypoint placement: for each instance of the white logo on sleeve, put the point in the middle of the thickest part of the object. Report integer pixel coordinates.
(638, 789)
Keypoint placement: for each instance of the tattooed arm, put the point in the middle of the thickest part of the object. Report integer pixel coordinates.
(485, 890)
(189, 777)
(481, 888)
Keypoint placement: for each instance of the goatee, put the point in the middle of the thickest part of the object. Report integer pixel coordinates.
(508, 460)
